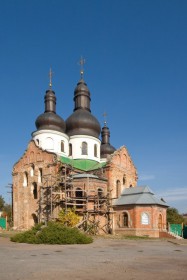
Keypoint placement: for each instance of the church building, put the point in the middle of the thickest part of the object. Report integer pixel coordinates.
(70, 164)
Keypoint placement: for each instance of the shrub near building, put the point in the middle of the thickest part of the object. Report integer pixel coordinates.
(53, 233)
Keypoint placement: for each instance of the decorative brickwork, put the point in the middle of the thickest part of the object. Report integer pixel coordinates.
(27, 180)
(41, 188)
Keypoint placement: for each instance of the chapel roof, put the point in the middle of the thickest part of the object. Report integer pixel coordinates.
(142, 195)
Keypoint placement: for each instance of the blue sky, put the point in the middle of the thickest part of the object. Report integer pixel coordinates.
(136, 70)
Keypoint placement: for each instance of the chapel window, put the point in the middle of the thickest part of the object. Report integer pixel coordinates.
(145, 218)
(124, 180)
(40, 175)
(25, 179)
(125, 219)
(84, 148)
(62, 146)
(79, 195)
(118, 188)
(32, 170)
(100, 192)
(95, 150)
(35, 191)
(70, 149)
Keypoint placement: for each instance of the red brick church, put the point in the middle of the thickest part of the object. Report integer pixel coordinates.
(71, 164)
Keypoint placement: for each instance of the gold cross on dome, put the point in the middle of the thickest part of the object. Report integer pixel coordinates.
(81, 63)
(50, 78)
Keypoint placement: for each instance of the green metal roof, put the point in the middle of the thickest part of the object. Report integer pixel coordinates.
(83, 164)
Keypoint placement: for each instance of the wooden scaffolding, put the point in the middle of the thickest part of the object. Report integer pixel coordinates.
(60, 192)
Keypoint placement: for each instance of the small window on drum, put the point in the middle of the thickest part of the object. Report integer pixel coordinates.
(62, 146)
(84, 148)
(70, 149)
(95, 150)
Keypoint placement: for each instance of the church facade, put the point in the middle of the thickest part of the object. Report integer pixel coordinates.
(72, 165)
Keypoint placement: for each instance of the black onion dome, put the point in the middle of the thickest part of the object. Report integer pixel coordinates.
(82, 122)
(49, 119)
(106, 148)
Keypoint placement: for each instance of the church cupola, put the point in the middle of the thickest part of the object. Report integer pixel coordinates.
(106, 148)
(81, 126)
(50, 134)
(49, 119)
(82, 122)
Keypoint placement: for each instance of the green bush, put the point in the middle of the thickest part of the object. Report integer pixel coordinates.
(53, 233)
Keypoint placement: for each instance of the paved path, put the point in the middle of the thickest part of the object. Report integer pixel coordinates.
(109, 259)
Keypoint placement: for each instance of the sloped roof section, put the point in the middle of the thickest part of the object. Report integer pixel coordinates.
(85, 175)
(138, 196)
(83, 164)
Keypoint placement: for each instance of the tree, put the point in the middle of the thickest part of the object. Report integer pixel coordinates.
(173, 216)
(2, 203)
(7, 212)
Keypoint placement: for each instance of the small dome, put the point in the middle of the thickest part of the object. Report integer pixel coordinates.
(106, 149)
(82, 122)
(50, 120)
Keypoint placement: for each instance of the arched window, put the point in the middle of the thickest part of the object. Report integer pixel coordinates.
(25, 179)
(62, 146)
(100, 192)
(95, 150)
(145, 219)
(70, 149)
(84, 148)
(124, 180)
(40, 175)
(125, 220)
(79, 194)
(118, 188)
(37, 142)
(35, 191)
(32, 170)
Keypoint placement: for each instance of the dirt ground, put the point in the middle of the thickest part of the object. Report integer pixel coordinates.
(105, 258)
